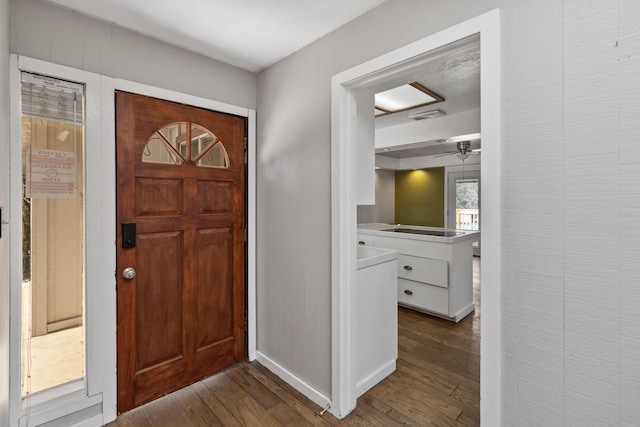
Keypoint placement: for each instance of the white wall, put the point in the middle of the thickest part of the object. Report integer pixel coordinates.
(43, 31)
(571, 172)
(384, 209)
(4, 204)
(294, 269)
(571, 341)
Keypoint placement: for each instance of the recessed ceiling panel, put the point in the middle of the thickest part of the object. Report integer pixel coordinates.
(401, 98)
(405, 97)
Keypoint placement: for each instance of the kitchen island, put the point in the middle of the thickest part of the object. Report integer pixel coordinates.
(435, 266)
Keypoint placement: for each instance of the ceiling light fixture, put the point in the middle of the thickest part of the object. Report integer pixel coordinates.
(422, 115)
(403, 98)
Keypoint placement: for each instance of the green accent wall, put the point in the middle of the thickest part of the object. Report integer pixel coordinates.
(420, 197)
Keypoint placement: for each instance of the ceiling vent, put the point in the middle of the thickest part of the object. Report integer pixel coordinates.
(426, 115)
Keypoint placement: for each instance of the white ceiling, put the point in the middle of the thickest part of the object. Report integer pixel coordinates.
(453, 73)
(250, 34)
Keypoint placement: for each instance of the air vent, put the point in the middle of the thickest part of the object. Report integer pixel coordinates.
(426, 115)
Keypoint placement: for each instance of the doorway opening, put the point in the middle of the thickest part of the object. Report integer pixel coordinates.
(346, 124)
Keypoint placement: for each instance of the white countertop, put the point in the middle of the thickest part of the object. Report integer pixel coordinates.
(381, 229)
(368, 256)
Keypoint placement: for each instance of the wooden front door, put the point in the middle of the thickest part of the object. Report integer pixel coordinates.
(181, 216)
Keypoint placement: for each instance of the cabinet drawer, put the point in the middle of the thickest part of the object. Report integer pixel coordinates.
(427, 270)
(366, 241)
(420, 295)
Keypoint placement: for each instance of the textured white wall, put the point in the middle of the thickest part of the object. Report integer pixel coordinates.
(532, 288)
(293, 220)
(627, 63)
(571, 173)
(43, 31)
(4, 203)
(571, 198)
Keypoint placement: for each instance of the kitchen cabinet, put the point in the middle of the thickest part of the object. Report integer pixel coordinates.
(375, 336)
(435, 273)
(423, 283)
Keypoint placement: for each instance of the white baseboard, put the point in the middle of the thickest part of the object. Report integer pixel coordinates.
(311, 393)
(375, 377)
(462, 313)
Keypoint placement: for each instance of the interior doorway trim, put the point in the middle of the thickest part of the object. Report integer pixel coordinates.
(344, 88)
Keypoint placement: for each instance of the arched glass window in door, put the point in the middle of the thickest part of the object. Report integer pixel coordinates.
(185, 142)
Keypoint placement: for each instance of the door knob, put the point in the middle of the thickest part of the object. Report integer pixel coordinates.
(129, 273)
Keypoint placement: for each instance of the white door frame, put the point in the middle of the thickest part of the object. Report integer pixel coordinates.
(343, 197)
(93, 394)
(100, 248)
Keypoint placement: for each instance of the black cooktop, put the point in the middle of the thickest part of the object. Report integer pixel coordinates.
(425, 232)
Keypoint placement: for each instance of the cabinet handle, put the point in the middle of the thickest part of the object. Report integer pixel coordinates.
(361, 242)
(408, 292)
(408, 267)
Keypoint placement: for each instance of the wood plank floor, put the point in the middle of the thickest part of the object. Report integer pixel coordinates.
(436, 383)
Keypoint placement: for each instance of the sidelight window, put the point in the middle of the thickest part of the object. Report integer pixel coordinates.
(52, 232)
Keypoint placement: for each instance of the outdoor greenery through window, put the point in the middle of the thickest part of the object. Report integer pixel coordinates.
(467, 209)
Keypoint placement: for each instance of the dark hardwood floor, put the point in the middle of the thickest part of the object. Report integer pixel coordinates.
(436, 383)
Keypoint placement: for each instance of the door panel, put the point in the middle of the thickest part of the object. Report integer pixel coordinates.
(214, 197)
(158, 196)
(158, 298)
(182, 316)
(214, 302)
